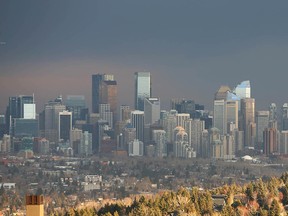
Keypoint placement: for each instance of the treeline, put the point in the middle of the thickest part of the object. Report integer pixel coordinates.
(259, 198)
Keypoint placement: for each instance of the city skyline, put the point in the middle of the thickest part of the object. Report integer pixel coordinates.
(53, 48)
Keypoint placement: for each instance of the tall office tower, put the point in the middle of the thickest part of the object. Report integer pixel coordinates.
(194, 129)
(215, 142)
(76, 104)
(99, 92)
(5, 144)
(169, 122)
(51, 119)
(34, 205)
(273, 112)
(151, 110)
(137, 120)
(75, 139)
(85, 147)
(248, 119)
(222, 92)
(181, 118)
(231, 114)
(228, 146)
(109, 96)
(65, 125)
(219, 118)
(262, 122)
(243, 90)
(142, 89)
(284, 117)
(129, 134)
(284, 142)
(22, 107)
(270, 141)
(239, 140)
(159, 137)
(124, 114)
(204, 151)
(136, 148)
(106, 114)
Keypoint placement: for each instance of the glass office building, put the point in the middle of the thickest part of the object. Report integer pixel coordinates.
(142, 89)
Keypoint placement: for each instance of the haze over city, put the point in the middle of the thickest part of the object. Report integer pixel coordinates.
(190, 47)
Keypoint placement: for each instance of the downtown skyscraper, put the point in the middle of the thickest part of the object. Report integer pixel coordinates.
(142, 89)
(104, 91)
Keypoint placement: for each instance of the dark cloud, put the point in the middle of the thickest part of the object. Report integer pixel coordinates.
(192, 45)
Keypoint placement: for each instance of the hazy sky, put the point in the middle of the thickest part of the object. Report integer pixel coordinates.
(191, 47)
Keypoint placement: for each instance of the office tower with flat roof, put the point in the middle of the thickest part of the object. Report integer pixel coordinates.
(231, 114)
(137, 121)
(248, 120)
(104, 90)
(142, 89)
(65, 125)
(284, 117)
(51, 119)
(262, 122)
(284, 142)
(159, 137)
(76, 104)
(270, 141)
(219, 117)
(243, 90)
(19, 107)
(194, 129)
(151, 110)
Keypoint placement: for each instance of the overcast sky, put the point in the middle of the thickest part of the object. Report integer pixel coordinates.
(191, 47)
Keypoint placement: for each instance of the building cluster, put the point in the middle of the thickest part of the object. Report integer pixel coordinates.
(67, 127)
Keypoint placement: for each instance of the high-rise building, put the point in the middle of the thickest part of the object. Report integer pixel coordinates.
(137, 120)
(222, 92)
(104, 90)
(136, 148)
(284, 120)
(262, 122)
(243, 90)
(151, 110)
(65, 125)
(231, 114)
(284, 142)
(142, 89)
(22, 107)
(215, 143)
(181, 118)
(85, 147)
(106, 114)
(124, 114)
(219, 118)
(273, 112)
(76, 104)
(248, 119)
(270, 141)
(50, 120)
(194, 129)
(159, 137)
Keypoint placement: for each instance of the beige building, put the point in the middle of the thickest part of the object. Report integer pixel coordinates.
(34, 205)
